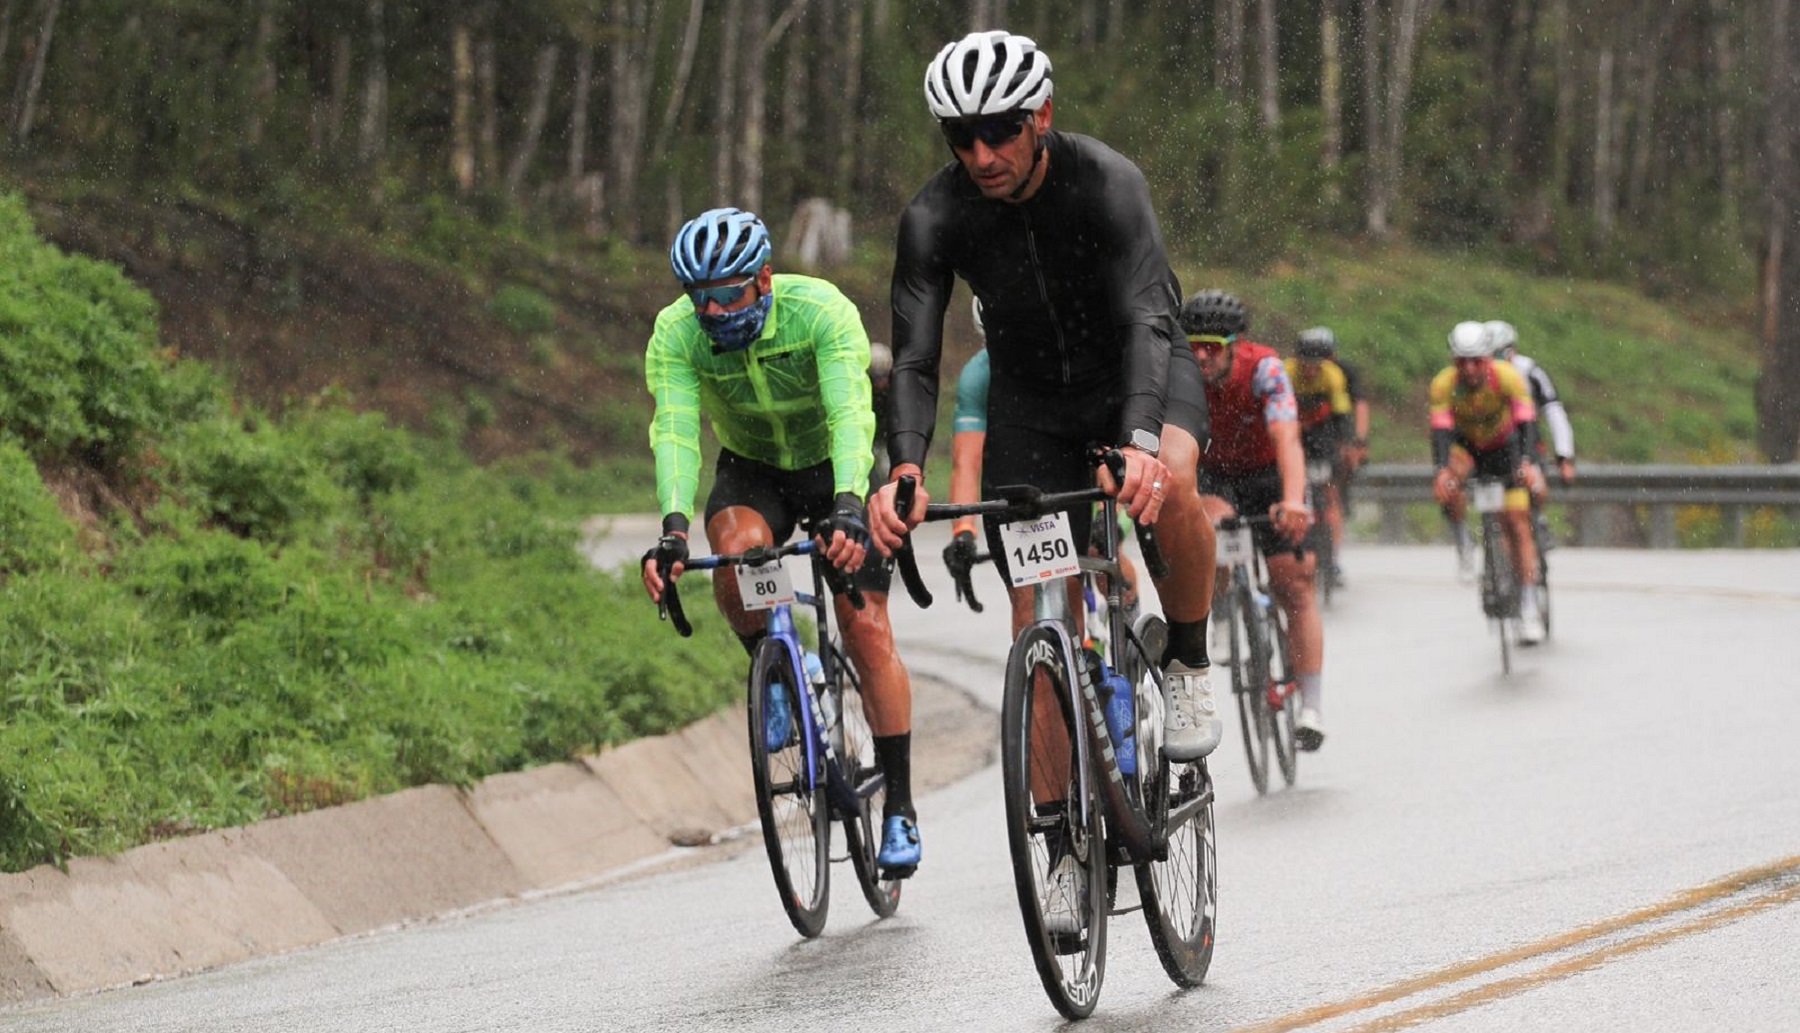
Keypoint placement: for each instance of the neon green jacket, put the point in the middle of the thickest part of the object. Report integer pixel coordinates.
(799, 395)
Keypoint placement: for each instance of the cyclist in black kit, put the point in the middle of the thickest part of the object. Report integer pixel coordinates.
(1055, 235)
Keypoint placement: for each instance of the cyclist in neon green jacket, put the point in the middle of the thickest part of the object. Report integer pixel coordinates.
(779, 365)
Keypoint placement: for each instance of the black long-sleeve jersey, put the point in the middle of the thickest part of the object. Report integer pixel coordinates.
(1074, 285)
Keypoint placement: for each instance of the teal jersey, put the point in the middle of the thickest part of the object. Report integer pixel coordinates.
(971, 395)
(798, 396)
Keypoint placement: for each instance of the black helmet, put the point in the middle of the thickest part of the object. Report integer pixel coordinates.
(1317, 343)
(1214, 312)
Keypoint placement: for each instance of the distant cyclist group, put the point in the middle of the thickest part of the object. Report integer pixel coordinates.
(1095, 370)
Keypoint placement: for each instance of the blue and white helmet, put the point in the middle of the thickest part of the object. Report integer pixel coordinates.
(719, 244)
(987, 73)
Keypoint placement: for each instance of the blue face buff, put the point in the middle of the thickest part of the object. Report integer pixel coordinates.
(734, 331)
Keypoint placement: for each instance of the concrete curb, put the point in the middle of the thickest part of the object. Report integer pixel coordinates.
(179, 907)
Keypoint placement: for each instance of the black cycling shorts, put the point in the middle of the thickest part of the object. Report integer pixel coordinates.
(1040, 434)
(784, 498)
(1493, 462)
(1253, 494)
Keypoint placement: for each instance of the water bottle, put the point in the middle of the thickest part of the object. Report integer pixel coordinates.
(1120, 720)
(815, 672)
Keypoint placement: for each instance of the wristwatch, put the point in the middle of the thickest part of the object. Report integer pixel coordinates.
(1144, 441)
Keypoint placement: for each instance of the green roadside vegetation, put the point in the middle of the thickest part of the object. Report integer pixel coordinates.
(209, 615)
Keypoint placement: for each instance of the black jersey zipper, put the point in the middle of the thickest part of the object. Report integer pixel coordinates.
(1037, 270)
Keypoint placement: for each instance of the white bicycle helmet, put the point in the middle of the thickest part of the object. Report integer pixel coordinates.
(987, 73)
(1469, 340)
(1501, 336)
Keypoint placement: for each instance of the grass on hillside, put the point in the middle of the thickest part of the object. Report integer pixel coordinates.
(1643, 381)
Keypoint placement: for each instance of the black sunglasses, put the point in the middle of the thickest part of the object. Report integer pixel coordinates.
(993, 130)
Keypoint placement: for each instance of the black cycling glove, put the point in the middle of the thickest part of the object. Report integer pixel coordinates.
(959, 559)
(847, 515)
(670, 549)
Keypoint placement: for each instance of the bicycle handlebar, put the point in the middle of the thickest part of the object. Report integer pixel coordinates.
(903, 557)
(670, 608)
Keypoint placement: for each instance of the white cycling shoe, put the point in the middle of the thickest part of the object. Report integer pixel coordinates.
(1192, 727)
(1309, 731)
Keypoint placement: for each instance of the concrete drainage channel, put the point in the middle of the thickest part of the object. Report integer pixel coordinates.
(186, 905)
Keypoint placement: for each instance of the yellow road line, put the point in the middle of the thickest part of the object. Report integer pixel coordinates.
(1687, 900)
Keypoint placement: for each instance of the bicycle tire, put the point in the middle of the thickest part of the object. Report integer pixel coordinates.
(1180, 892)
(862, 829)
(1071, 966)
(1500, 588)
(1282, 719)
(795, 815)
(1250, 678)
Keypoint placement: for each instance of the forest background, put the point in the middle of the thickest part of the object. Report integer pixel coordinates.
(313, 443)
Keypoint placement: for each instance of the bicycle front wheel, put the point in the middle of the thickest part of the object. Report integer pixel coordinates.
(1054, 827)
(855, 746)
(1180, 891)
(790, 792)
(1282, 696)
(1250, 677)
(1499, 585)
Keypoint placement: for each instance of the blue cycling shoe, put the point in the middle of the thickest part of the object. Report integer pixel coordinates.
(899, 847)
(778, 718)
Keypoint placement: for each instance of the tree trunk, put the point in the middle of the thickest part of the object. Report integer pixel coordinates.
(372, 133)
(1331, 97)
(1267, 55)
(847, 149)
(578, 115)
(1649, 68)
(981, 15)
(1409, 21)
(1605, 182)
(1228, 49)
(684, 69)
(633, 69)
(487, 85)
(1513, 79)
(27, 109)
(542, 79)
(725, 123)
(6, 24)
(1778, 386)
(797, 75)
(262, 73)
(1562, 135)
(1723, 55)
(1373, 38)
(1115, 19)
(462, 106)
(756, 94)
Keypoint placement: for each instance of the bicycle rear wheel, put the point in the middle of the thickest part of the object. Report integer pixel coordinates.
(1250, 676)
(1054, 826)
(855, 746)
(790, 799)
(1179, 892)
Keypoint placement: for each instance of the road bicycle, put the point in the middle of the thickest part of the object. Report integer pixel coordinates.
(1076, 810)
(825, 769)
(1499, 581)
(1257, 653)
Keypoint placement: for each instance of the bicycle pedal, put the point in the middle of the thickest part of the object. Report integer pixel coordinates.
(902, 871)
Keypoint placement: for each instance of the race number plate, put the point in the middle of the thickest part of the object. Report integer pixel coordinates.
(1235, 547)
(765, 587)
(1487, 496)
(1318, 471)
(1039, 550)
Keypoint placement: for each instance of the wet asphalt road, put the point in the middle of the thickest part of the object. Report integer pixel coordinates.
(1442, 863)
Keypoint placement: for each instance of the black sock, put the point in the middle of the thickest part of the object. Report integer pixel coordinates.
(1187, 643)
(893, 753)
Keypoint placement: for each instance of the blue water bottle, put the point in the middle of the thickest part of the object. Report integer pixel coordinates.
(1119, 719)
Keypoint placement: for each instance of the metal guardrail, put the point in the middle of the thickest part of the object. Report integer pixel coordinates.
(1612, 504)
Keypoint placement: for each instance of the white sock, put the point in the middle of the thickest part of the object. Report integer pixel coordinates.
(1309, 689)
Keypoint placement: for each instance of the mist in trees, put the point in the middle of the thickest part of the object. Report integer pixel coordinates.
(1644, 139)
